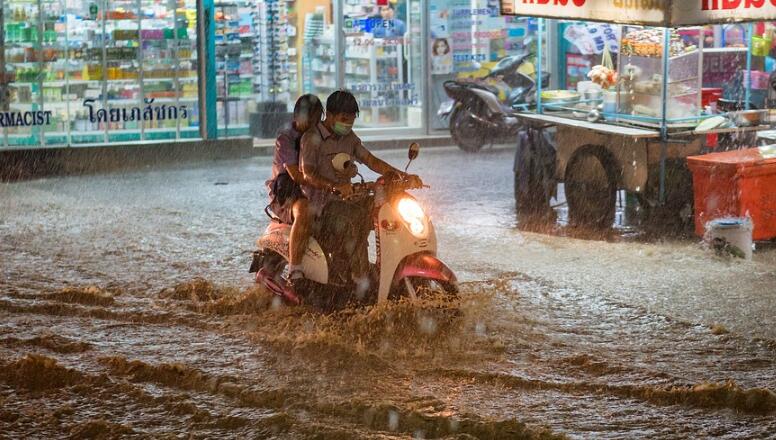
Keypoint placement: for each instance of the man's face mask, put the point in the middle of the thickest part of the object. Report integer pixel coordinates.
(342, 129)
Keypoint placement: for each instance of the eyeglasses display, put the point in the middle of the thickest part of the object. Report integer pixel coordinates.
(273, 24)
(252, 60)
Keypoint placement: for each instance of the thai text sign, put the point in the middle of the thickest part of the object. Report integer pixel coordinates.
(667, 13)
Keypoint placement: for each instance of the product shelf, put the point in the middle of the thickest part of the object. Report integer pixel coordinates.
(130, 48)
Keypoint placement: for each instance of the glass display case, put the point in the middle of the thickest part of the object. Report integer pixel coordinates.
(100, 71)
(319, 59)
(641, 89)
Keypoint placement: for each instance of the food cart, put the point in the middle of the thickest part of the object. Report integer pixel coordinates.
(634, 132)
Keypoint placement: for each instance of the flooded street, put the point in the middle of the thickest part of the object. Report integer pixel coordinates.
(126, 311)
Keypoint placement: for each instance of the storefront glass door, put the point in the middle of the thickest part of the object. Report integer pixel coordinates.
(381, 61)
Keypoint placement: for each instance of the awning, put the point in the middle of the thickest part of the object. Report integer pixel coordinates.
(662, 13)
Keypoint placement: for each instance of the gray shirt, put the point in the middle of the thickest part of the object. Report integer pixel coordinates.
(319, 146)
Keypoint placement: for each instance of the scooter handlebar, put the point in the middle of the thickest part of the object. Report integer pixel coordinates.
(368, 188)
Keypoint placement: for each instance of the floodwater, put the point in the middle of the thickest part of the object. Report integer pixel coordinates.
(126, 310)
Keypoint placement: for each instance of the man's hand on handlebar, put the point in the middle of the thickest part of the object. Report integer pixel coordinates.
(413, 181)
(350, 172)
(344, 190)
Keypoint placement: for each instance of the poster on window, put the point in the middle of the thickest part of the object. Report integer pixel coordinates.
(592, 38)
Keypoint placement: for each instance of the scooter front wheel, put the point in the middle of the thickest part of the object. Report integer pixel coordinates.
(424, 288)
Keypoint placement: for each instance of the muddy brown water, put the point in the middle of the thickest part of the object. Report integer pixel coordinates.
(126, 312)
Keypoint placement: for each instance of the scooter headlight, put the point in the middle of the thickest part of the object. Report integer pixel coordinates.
(413, 215)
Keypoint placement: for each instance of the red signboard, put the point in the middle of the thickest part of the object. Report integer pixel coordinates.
(665, 13)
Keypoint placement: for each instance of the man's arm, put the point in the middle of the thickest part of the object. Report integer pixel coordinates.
(312, 178)
(375, 164)
(381, 167)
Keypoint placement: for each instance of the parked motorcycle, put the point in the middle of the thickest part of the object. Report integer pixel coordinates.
(405, 242)
(477, 115)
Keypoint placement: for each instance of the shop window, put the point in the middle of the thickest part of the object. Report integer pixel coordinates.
(467, 39)
(257, 65)
(93, 72)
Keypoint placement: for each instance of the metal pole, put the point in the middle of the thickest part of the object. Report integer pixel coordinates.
(425, 72)
(206, 67)
(664, 111)
(104, 71)
(339, 41)
(4, 85)
(39, 64)
(539, 67)
(748, 93)
(141, 63)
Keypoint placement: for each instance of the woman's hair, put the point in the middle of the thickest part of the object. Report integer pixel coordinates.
(307, 105)
(341, 101)
(436, 46)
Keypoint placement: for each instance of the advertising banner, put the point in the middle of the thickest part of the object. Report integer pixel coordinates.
(665, 13)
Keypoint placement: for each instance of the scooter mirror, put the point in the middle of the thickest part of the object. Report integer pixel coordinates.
(414, 151)
(341, 161)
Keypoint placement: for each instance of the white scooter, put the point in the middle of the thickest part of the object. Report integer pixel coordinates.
(406, 250)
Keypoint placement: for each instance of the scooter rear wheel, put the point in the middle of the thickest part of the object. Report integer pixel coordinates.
(467, 132)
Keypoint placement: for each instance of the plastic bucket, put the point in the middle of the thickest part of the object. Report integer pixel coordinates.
(733, 232)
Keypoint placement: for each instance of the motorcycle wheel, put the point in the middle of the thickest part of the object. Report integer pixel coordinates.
(467, 132)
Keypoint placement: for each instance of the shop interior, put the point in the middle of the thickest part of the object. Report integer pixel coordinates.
(102, 71)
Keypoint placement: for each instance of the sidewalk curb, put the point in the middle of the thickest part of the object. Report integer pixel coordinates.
(265, 147)
(34, 163)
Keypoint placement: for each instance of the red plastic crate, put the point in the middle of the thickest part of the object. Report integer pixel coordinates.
(709, 95)
(735, 183)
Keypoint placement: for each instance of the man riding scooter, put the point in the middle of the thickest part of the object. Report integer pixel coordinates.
(325, 187)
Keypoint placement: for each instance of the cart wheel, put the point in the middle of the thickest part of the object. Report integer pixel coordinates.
(591, 188)
(468, 133)
(532, 171)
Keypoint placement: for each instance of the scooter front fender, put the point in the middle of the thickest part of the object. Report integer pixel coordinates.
(423, 265)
